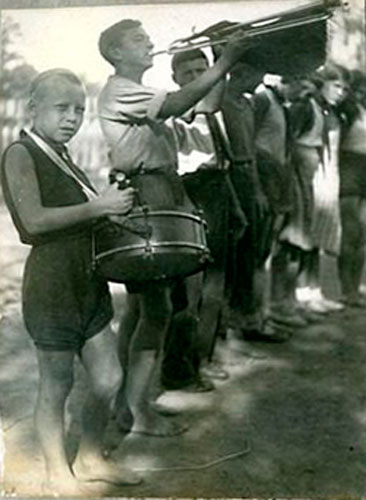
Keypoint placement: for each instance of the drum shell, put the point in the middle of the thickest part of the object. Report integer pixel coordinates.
(175, 247)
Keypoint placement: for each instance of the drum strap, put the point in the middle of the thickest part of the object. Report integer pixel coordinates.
(219, 141)
(64, 164)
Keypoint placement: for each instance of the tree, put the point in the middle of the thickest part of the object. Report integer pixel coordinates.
(16, 74)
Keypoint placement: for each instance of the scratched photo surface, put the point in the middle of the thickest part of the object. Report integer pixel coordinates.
(289, 420)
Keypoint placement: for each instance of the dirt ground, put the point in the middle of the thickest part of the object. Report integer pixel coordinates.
(289, 423)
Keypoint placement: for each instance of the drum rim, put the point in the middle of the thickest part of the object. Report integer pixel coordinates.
(192, 246)
(169, 213)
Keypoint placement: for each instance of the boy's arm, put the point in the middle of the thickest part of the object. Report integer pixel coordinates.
(261, 106)
(177, 103)
(212, 101)
(37, 219)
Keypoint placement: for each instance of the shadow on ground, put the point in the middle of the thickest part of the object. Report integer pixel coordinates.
(290, 421)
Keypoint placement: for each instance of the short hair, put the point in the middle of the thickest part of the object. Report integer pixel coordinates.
(43, 77)
(328, 72)
(111, 36)
(188, 55)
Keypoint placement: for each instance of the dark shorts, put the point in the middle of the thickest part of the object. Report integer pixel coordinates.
(352, 169)
(209, 191)
(64, 302)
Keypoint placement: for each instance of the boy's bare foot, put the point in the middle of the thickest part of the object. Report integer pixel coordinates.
(124, 418)
(107, 471)
(64, 486)
(153, 424)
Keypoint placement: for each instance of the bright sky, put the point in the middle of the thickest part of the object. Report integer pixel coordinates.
(67, 37)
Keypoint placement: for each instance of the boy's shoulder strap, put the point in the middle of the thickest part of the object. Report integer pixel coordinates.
(61, 163)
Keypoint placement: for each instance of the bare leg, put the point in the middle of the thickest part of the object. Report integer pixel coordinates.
(285, 266)
(55, 383)
(279, 276)
(128, 324)
(312, 269)
(316, 302)
(212, 303)
(145, 348)
(129, 321)
(99, 357)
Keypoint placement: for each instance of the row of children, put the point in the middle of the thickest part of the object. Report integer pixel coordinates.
(290, 191)
(244, 189)
(67, 307)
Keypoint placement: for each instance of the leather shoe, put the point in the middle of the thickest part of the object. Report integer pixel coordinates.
(289, 317)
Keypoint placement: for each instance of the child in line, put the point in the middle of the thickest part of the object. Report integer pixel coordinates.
(66, 306)
(134, 119)
(314, 223)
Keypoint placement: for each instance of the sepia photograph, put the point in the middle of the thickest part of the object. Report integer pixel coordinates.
(182, 249)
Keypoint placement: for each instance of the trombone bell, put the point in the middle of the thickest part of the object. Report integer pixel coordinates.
(290, 41)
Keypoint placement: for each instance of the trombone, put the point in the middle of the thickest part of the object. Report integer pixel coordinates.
(219, 33)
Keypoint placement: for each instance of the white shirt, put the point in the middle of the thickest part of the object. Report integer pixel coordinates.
(128, 113)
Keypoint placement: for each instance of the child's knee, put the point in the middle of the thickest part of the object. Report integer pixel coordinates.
(105, 387)
(55, 391)
(56, 373)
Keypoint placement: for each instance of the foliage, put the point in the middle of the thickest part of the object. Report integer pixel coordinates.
(16, 74)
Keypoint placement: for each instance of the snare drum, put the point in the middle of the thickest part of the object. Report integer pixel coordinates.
(150, 245)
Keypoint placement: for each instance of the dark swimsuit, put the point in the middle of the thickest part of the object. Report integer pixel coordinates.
(64, 302)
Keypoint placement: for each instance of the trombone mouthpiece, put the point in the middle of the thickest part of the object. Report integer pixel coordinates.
(159, 53)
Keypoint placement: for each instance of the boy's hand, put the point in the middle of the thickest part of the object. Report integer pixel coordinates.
(217, 34)
(238, 43)
(235, 46)
(115, 201)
